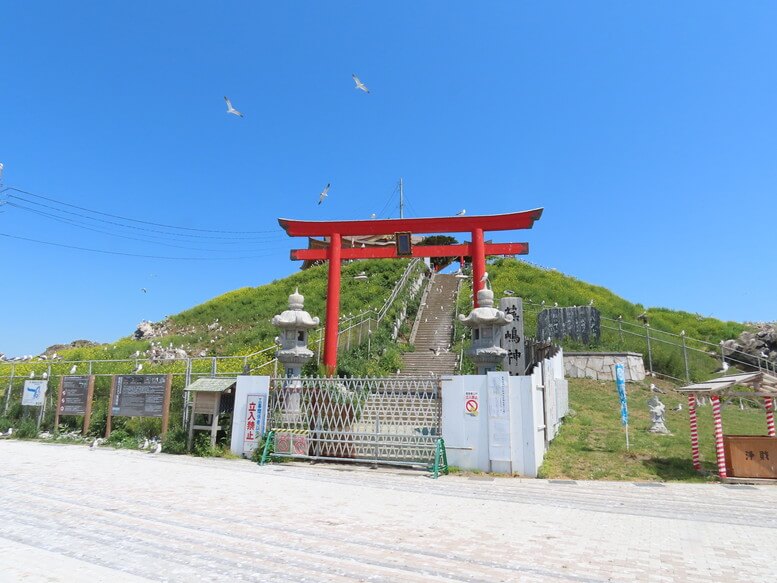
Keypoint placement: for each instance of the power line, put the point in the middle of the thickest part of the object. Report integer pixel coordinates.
(103, 251)
(277, 233)
(163, 242)
(130, 219)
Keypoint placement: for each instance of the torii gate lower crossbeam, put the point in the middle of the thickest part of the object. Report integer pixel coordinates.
(334, 254)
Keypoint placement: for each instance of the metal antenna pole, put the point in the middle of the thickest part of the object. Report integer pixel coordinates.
(401, 199)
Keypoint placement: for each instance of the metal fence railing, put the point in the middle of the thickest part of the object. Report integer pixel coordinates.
(678, 357)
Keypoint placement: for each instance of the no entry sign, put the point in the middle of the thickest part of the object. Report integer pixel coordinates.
(471, 403)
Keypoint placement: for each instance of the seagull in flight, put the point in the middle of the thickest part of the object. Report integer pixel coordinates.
(324, 193)
(144, 290)
(359, 84)
(373, 216)
(461, 213)
(231, 109)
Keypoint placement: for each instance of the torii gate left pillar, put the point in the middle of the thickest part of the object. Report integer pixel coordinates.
(332, 303)
(478, 249)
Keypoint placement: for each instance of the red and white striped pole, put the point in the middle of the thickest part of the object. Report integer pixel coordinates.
(769, 404)
(720, 452)
(694, 432)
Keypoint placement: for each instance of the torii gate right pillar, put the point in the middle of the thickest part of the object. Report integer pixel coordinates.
(478, 264)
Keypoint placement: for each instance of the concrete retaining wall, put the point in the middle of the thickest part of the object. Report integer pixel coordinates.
(600, 365)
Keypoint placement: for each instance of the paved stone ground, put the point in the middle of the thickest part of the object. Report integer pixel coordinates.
(70, 514)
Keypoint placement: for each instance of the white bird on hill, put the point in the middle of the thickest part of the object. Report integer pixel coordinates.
(678, 407)
(509, 292)
(32, 374)
(324, 193)
(359, 84)
(231, 109)
(139, 367)
(94, 445)
(73, 369)
(158, 448)
(145, 444)
(45, 375)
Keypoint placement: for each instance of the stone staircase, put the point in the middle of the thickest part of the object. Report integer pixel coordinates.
(433, 330)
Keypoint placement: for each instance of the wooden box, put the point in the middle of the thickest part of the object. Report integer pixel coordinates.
(750, 456)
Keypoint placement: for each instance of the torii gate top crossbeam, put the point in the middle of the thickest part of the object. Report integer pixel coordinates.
(504, 222)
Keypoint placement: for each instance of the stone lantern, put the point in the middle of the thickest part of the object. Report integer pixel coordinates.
(486, 323)
(294, 324)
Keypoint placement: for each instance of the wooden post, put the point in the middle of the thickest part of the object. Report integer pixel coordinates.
(88, 412)
(59, 404)
(190, 437)
(110, 408)
(694, 432)
(215, 421)
(720, 452)
(166, 405)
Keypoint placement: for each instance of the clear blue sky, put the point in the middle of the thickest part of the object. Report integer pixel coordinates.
(647, 131)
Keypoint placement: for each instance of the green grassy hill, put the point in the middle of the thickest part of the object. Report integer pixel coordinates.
(537, 285)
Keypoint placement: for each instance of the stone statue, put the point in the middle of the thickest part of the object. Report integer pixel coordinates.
(657, 410)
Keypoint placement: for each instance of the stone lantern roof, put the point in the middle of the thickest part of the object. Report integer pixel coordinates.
(295, 317)
(485, 314)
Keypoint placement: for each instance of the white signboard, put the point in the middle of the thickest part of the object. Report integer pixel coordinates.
(34, 393)
(254, 422)
(499, 418)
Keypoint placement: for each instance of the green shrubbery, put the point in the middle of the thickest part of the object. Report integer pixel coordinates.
(175, 441)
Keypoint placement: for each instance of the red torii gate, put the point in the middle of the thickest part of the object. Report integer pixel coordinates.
(336, 230)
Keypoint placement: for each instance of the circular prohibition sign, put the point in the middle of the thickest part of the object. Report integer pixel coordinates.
(471, 406)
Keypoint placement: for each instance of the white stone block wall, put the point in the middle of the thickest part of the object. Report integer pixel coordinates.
(601, 365)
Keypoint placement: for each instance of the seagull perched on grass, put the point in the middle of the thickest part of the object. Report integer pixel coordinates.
(723, 368)
(32, 374)
(73, 369)
(231, 109)
(324, 193)
(359, 84)
(139, 368)
(509, 292)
